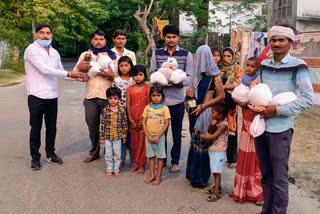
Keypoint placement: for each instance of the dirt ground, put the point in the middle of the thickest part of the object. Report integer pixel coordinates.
(304, 163)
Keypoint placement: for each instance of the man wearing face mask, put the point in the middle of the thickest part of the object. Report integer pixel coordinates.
(96, 98)
(43, 67)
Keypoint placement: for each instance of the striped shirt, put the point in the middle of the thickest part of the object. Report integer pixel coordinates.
(184, 58)
(289, 75)
(113, 125)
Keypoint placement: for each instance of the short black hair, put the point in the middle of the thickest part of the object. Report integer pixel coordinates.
(98, 32)
(170, 29)
(157, 88)
(119, 32)
(221, 108)
(253, 58)
(125, 59)
(139, 68)
(113, 91)
(43, 25)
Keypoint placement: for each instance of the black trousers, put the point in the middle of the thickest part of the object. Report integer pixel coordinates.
(39, 108)
(93, 109)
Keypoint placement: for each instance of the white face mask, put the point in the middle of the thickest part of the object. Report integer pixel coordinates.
(44, 42)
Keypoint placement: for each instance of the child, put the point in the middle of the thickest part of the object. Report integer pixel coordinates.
(251, 71)
(123, 82)
(155, 122)
(217, 150)
(137, 99)
(247, 182)
(113, 130)
(217, 55)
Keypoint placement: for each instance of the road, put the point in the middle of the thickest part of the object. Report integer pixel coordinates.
(78, 187)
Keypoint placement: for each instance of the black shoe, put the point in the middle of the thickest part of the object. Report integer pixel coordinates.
(54, 159)
(35, 164)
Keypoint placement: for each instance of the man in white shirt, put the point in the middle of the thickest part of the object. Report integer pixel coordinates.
(120, 39)
(43, 67)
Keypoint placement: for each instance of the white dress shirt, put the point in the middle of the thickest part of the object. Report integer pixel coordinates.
(42, 70)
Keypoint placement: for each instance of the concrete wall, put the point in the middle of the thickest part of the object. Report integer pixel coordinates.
(3, 51)
(290, 20)
(308, 8)
(186, 24)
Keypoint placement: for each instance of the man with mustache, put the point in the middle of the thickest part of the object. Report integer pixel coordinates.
(174, 94)
(282, 73)
(97, 86)
(120, 39)
(43, 67)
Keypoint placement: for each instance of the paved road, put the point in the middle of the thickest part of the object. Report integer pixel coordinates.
(77, 187)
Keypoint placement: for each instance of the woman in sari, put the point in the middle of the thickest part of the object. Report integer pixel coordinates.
(231, 77)
(208, 89)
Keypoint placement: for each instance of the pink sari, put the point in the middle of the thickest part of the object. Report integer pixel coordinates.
(247, 182)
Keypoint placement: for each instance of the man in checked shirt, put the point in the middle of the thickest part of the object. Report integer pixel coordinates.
(113, 131)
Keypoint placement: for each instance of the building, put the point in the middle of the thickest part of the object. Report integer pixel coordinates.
(302, 14)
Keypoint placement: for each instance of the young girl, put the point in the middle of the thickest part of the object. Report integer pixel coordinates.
(123, 82)
(217, 149)
(247, 182)
(137, 99)
(155, 122)
(217, 55)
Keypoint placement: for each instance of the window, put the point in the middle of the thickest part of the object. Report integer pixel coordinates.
(282, 9)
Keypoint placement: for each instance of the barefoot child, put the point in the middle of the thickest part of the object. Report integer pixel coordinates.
(217, 150)
(123, 81)
(155, 122)
(113, 131)
(137, 99)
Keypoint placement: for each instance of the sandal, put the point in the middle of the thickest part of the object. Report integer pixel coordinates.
(90, 158)
(215, 196)
(211, 190)
(259, 203)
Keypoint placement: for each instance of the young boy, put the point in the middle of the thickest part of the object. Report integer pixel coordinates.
(113, 131)
(217, 150)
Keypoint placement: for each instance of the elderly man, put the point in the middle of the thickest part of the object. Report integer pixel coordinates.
(282, 73)
(96, 91)
(43, 67)
(120, 39)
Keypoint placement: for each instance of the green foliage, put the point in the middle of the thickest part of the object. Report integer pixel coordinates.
(8, 63)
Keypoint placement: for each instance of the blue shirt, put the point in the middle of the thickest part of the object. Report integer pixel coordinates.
(184, 58)
(289, 75)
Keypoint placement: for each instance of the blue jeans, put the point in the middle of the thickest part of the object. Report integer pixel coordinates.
(124, 148)
(273, 150)
(176, 113)
(112, 155)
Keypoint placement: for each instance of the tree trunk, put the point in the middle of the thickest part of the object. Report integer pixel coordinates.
(16, 53)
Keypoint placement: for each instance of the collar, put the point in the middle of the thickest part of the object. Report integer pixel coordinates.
(284, 60)
(117, 52)
(108, 108)
(177, 48)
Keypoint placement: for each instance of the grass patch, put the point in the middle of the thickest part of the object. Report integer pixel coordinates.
(8, 76)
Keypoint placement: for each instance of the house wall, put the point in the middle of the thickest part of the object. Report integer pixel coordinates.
(289, 20)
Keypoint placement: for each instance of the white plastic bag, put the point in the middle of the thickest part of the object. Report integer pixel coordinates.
(260, 94)
(171, 62)
(159, 78)
(241, 93)
(94, 70)
(178, 76)
(257, 126)
(105, 61)
(166, 72)
(284, 98)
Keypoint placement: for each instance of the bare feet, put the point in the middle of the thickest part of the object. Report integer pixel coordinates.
(121, 165)
(109, 174)
(157, 181)
(260, 203)
(174, 169)
(232, 165)
(141, 170)
(134, 168)
(149, 180)
(117, 174)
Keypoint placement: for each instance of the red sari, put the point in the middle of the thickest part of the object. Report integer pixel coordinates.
(247, 182)
(138, 103)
